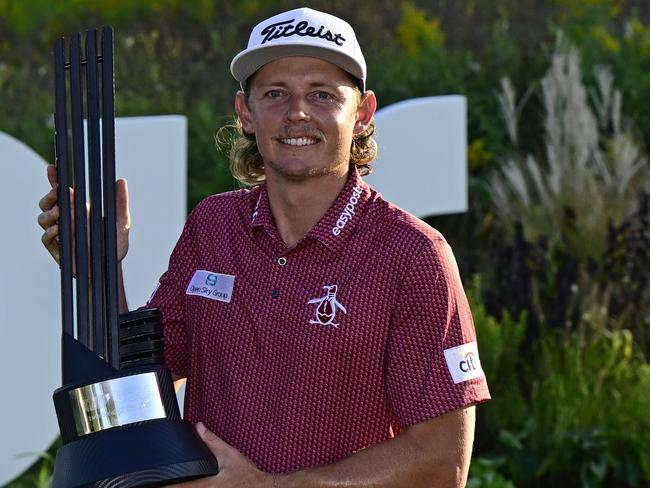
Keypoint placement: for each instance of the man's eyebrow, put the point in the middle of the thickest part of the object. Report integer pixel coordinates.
(326, 84)
(312, 84)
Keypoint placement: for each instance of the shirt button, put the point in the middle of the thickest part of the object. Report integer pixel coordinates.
(275, 293)
(282, 261)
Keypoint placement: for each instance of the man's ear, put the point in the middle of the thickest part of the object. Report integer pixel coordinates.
(244, 113)
(365, 111)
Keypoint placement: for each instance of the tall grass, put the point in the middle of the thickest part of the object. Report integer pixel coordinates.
(590, 171)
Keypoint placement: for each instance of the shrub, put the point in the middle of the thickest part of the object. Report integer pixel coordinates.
(502, 359)
(589, 419)
(571, 410)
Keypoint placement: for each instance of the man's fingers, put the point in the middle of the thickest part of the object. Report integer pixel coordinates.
(219, 448)
(123, 216)
(50, 235)
(48, 201)
(49, 240)
(51, 198)
(48, 218)
(51, 213)
(51, 175)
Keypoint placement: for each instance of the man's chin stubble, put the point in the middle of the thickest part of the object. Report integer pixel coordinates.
(300, 175)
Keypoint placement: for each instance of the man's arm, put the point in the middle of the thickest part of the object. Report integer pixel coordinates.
(432, 454)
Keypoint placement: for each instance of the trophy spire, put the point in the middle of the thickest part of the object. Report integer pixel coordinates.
(117, 410)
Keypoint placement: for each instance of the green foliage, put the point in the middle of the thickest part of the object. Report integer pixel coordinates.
(210, 168)
(632, 69)
(588, 420)
(484, 473)
(40, 474)
(478, 156)
(418, 57)
(416, 32)
(501, 345)
(592, 23)
(48, 19)
(572, 410)
(627, 274)
(638, 37)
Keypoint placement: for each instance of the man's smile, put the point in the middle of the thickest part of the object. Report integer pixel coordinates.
(299, 141)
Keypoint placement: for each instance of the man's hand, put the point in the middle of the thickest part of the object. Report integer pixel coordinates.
(49, 217)
(235, 470)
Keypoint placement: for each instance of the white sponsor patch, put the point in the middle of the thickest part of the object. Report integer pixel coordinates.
(215, 286)
(463, 362)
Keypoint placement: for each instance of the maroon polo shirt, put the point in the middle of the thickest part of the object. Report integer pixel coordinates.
(302, 356)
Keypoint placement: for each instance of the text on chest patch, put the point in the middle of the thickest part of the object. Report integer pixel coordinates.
(215, 286)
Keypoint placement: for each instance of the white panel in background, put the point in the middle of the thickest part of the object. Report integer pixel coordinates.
(422, 162)
(30, 318)
(151, 154)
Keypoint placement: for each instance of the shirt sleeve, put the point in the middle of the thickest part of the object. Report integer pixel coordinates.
(432, 333)
(169, 297)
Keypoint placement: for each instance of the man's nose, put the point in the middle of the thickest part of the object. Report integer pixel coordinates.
(297, 109)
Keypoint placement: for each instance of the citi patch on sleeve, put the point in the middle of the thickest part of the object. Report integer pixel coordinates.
(463, 362)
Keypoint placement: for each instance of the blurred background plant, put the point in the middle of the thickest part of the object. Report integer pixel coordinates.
(573, 219)
(592, 171)
(555, 248)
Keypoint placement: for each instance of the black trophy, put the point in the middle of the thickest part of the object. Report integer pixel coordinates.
(117, 410)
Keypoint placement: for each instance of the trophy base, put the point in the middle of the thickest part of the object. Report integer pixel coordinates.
(147, 455)
(122, 428)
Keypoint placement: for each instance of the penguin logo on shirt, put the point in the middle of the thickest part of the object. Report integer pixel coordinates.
(327, 307)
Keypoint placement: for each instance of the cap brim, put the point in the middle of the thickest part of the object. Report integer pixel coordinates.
(248, 62)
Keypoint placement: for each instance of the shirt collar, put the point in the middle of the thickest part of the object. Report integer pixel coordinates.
(344, 215)
(261, 216)
(338, 223)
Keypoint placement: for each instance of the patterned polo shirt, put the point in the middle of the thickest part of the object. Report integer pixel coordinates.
(302, 356)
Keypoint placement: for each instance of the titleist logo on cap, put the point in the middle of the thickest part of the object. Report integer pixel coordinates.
(287, 28)
(301, 32)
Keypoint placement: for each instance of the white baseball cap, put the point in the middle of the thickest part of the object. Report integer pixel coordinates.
(301, 32)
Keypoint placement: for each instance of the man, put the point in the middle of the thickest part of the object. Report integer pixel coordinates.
(324, 332)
